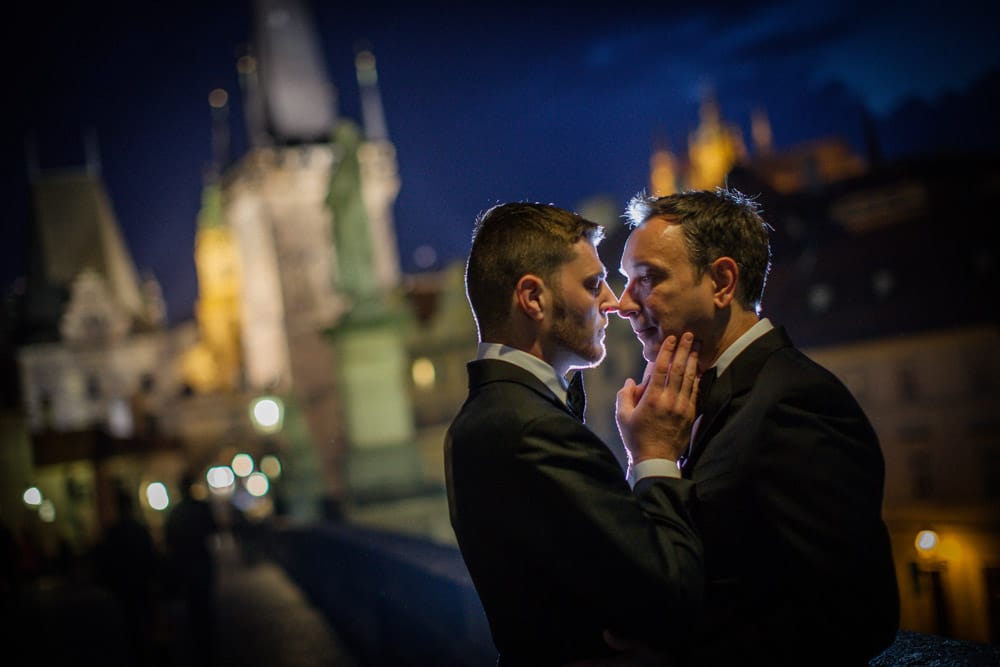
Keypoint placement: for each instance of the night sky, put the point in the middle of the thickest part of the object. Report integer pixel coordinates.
(521, 103)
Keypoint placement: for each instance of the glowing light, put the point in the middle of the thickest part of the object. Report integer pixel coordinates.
(242, 464)
(883, 282)
(820, 297)
(424, 256)
(157, 496)
(246, 65)
(926, 542)
(47, 511)
(423, 373)
(218, 98)
(271, 466)
(266, 414)
(220, 478)
(257, 484)
(120, 418)
(33, 496)
(364, 64)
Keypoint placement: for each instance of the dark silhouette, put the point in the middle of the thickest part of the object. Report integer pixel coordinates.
(189, 528)
(128, 566)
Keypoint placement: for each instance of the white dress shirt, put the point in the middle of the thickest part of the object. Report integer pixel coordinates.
(528, 362)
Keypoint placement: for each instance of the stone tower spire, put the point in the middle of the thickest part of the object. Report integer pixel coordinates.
(299, 102)
(372, 114)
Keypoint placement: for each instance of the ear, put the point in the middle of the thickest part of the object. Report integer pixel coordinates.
(724, 273)
(528, 296)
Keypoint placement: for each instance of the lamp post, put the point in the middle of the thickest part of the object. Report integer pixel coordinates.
(929, 566)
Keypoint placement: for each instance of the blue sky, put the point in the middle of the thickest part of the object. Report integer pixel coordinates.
(527, 102)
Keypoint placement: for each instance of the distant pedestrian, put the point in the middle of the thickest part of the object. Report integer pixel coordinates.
(189, 529)
(128, 565)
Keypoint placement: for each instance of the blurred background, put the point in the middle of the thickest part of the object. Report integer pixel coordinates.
(235, 236)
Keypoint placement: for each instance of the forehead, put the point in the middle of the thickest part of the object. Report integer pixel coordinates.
(585, 259)
(657, 241)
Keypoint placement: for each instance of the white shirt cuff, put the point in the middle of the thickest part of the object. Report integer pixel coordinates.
(652, 468)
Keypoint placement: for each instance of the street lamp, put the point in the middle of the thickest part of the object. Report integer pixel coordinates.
(267, 414)
(926, 542)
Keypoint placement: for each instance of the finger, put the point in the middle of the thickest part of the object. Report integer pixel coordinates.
(689, 384)
(648, 372)
(625, 399)
(661, 367)
(680, 360)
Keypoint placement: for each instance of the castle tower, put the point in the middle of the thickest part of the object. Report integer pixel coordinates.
(309, 208)
(714, 147)
(214, 363)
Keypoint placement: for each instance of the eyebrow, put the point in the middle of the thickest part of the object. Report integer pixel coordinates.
(638, 265)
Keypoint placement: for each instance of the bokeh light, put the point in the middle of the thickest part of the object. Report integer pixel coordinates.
(423, 373)
(33, 496)
(926, 542)
(242, 464)
(271, 466)
(257, 484)
(220, 478)
(47, 511)
(266, 414)
(157, 496)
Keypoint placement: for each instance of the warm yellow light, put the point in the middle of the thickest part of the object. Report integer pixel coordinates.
(47, 511)
(423, 373)
(246, 65)
(242, 464)
(157, 496)
(33, 496)
(271, 466)
(257, 484)
(926, 542)
(218, 98)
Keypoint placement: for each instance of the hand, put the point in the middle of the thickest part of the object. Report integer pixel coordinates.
(654, 418)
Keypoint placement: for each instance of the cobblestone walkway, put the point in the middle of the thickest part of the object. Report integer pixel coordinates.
(264, 619)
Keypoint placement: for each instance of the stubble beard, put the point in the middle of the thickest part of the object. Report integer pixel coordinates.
(576, 334)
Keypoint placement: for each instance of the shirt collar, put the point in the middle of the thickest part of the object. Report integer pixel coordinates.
(740, 344)
(528, 362)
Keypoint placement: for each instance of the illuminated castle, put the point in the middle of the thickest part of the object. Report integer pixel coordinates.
(300, 292)
(716, 147)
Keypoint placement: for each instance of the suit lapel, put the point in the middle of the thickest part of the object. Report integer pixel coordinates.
(486, 371)
(735, 382)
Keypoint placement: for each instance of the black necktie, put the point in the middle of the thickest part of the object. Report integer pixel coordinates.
(576, 398)
(704, 388)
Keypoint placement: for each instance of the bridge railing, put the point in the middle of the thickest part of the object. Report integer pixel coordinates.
(401, 600)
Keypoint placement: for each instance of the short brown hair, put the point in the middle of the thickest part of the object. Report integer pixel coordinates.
(514, 239)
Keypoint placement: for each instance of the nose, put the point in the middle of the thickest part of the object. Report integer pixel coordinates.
(608, 301)
(628, 306)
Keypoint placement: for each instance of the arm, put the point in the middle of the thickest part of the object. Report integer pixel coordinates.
(634, 556)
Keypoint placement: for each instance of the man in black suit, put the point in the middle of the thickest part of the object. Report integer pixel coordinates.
(787, 471)
(559, 547)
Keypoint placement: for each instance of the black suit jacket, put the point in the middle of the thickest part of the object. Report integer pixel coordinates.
(788, 482)
(558, 546)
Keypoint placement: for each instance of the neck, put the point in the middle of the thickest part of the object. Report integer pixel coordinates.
(521, 340)
(738, 323)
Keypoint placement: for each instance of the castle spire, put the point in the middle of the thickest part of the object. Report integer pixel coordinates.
(372, 114)
(298, 97)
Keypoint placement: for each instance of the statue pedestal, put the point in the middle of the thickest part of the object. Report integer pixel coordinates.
(382, 458)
